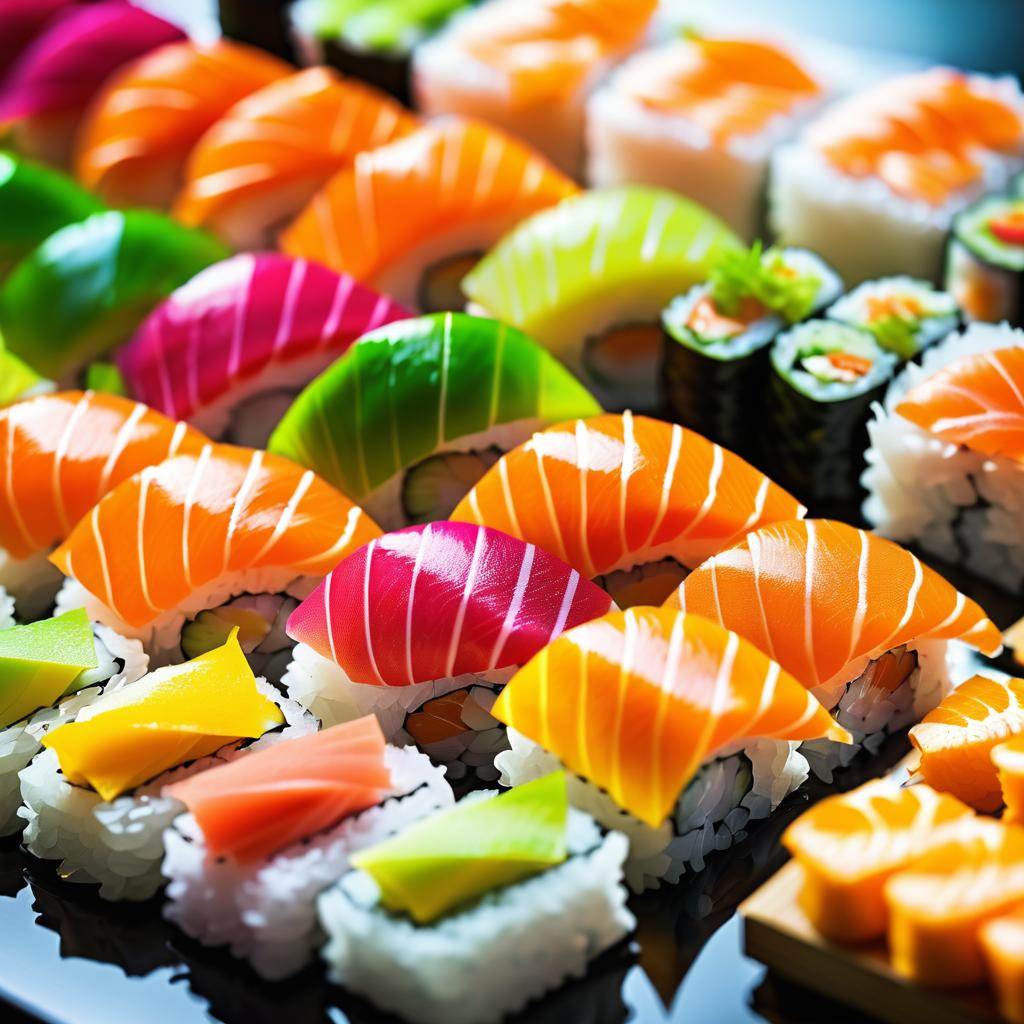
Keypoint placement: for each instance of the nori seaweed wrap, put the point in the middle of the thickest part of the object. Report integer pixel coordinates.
(825, 375)
(262, 23)
(985, 258)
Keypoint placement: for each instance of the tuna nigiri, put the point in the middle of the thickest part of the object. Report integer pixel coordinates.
(253, 171)
(61, 453)
(857, 619)
(414, 413)
(423, 626)
(411, 217)
(55, 78)
(21, 21)
(632, 501)
(229, 350)
(276, 828)
(648, 707)
(133, 141)
(163, 554)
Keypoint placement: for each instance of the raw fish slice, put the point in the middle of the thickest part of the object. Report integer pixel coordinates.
(818, 595)
(477, 846)
(850, 844)
(611, 492)
(637, 701)
(196, 520)
(21, 21)
(61, 453)
(436, 601)
(1008, 759)
(134, 140)
(250, 809)
(173, 715)
(978, 402)
(1003, 943)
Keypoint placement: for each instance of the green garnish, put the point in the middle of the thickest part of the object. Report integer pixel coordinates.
(895, 334)
(760, 274)
(105, 378)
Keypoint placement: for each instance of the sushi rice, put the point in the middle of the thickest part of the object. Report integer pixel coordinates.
(120, 844)
(266, 912)
(524, 939)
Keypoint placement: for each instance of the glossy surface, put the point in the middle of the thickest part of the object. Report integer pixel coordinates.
(173, 715)
(440, 600)
(242, 318)
(20, 22)
(87, 287)
(451, 175)
(412, 389)
(1008, 759)
(819, 595)
(63, 452)
(199, 518)
(645, 696)
(251, 808)
(615, 491)
(978, 402)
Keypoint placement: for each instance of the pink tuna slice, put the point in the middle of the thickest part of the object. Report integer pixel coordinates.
(78, 50)
(236, 318)
(20, 22)
(439, 600)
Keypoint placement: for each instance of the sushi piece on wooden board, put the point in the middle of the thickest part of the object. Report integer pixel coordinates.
(134, 140)
(62, 453)
(528, 66)
(224, 537)
(414, 413)
(412, 217)
(609, 260)
(424, 626)
(230, 349)
(256, 168)
(632, 502)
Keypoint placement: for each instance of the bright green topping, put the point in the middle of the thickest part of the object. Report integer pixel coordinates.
(764, 276)
(896, 334)
(459, 855)
(39, 663)
(408, 390)
(378, 24)
(16, 379)
(106, 378)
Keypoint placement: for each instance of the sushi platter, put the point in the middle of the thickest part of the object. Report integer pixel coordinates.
(483, 484)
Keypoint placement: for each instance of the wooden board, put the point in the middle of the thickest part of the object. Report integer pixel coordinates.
(778, 934)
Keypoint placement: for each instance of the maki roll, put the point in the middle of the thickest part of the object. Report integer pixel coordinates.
(528, 66)
(55, 78)
(230, 349)
(372, 40)
(220, 538)
(415, 413)
(519, 888)
(944, 467)
(589, 278)
(905, 315)
(19, 381)
(49, 671)
(874, 183)
(265, 834)
(87, 287)
(630, 502)
(95, 800)
(133, 142)
(35, 201)
(701, 115)
(718, 335)
(985, 260)
(412, 217)
(678, 732)
(424, 626)
(255, 169)
(61, 453)
(825, 376)
(863, 624)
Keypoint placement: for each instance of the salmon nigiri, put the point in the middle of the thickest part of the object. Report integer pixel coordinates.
(648, 707)
(255, 168)
(424, 625)
(133, 141)
(62, 453)
(178, 541)
(857, 619)
(410, 218)
(633, 501)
